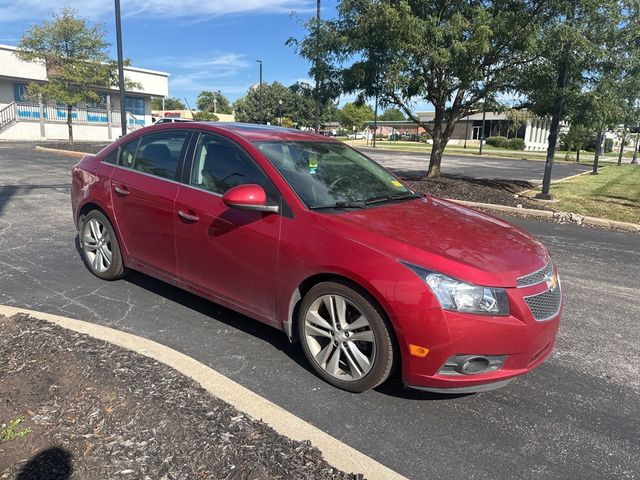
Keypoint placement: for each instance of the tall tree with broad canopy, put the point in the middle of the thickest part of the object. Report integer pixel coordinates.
(580, 61)
(76, 57)
(214, 102)
(452, 54)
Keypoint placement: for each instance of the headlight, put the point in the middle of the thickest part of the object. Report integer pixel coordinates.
(461, 296)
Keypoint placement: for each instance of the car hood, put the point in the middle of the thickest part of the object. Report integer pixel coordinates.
(443, 236)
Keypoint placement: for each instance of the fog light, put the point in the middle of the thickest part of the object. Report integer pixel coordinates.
(472, 364)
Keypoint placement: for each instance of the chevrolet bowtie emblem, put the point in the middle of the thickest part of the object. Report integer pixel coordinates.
(552, 282)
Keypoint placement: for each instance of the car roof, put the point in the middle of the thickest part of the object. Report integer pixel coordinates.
(254, 132)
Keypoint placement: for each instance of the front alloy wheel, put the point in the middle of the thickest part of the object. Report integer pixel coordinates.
(345, 338)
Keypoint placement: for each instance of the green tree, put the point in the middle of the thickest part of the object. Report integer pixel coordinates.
(393, 115)
(215, 102)
(452, 54)
(76, 57)
(576, 138)
(516, 119)
(297, 105)
(170, 103)
(580, 57)
(353, 115)
(202, 116)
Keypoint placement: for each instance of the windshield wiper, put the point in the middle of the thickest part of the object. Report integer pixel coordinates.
(340, 205)
(392, 198)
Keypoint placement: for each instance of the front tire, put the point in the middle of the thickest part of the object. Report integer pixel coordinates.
(100, 248)
(345, 337)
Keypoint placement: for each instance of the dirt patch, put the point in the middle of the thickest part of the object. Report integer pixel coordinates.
(88, 147)
(95, 411)
(495, 191)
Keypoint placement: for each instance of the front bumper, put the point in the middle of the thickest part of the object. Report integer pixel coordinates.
(525, 342)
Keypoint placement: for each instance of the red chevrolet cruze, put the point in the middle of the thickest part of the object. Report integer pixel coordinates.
(308, 235)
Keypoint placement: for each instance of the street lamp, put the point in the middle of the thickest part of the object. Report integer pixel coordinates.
(280, 112)
(123, 112)
(260, 93)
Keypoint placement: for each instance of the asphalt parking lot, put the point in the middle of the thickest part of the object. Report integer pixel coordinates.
(412, 163)
(576, 416)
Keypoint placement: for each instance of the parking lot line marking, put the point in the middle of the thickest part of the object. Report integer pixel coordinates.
(335, 452)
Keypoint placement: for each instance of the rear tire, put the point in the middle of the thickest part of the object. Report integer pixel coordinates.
(346, 339)
(100, 248)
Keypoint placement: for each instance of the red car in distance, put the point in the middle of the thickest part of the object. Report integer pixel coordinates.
(308, 235)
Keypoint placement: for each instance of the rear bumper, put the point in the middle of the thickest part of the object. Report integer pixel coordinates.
(525, 343)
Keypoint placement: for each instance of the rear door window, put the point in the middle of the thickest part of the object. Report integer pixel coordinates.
(159, 153)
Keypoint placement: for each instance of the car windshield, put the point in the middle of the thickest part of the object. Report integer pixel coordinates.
(332, 175)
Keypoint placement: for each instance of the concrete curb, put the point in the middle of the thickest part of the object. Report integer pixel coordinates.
(551, 215)
(59, 151)
(333, 450)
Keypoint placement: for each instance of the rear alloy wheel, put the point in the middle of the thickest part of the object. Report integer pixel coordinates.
(344, 337)
(100, 249)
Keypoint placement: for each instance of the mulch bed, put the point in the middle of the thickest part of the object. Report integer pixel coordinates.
(96, 411)
(495, 191)
(88, 147)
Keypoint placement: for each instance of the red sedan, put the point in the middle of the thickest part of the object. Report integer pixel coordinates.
(306, 234)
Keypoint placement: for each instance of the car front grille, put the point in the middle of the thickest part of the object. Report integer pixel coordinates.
(536, 277)
(545, 305)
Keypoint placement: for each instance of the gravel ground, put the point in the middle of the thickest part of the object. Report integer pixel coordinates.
(96, 411)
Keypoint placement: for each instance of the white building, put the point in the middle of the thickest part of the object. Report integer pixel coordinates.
(21, 119)
(535, 133)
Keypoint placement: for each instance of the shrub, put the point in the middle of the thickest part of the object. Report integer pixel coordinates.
(499, 142)
(608, 145)
(516, 144)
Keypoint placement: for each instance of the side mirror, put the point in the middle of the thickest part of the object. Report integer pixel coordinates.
(249, 197)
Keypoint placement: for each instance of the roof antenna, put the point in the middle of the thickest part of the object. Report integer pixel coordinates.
(193, 117)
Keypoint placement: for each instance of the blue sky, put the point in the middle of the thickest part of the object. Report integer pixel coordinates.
(203, 44)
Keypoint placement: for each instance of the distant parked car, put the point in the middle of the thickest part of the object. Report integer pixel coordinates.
(171, 120)
(357, 136)
(306, 234)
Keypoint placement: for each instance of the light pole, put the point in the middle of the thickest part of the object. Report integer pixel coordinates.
(634, 160)
(280, 112)
(260, 93)
(317, 119)
(484, 116)
(466, 132)
(123, 112)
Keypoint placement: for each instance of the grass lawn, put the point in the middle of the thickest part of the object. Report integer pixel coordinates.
(614, 194)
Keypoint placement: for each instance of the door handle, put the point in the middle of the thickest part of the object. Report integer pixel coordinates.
(188, 216)
(121, 190)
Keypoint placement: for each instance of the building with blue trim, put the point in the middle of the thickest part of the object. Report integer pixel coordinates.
(25, 119)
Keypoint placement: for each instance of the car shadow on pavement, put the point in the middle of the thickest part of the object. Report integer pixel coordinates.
(51, 464)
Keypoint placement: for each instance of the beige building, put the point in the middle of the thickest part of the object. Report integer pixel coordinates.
(24, 119)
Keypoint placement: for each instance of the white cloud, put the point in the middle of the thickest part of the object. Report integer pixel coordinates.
(211, 71)
(36, 10)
